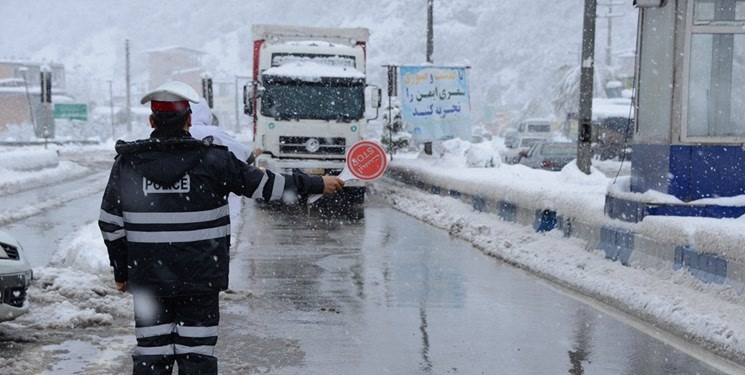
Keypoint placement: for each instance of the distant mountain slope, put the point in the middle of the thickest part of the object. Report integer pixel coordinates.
(515, 49)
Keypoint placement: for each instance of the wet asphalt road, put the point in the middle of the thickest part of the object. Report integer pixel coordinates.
(371, 291)
(387, 294)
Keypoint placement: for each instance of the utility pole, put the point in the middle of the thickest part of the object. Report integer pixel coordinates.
(609, 41)
(24, 72)
(609, 37)
(237, 115)
(128, 105)
(584, 152)
(430, 31)
(430, 50)
(111, 106)
(45, 83)
(392, 91)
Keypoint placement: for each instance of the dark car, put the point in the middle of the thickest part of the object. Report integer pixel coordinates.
(552, 156)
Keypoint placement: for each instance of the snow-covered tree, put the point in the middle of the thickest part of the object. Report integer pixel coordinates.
(565, 90)
(394, 137)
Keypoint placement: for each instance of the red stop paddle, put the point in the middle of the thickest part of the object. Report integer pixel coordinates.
(366, 161)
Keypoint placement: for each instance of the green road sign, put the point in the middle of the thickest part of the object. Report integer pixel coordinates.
(71, 111)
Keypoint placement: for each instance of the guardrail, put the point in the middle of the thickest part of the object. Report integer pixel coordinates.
(629, 243)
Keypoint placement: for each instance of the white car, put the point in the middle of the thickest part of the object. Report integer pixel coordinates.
(522, 144)
(15, 278)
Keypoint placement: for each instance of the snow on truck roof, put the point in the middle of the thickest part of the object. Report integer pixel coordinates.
(312, 72)
(283, 33)
(314, 43)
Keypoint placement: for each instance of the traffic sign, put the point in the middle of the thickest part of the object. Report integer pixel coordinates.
(366, 161)
(71, 111)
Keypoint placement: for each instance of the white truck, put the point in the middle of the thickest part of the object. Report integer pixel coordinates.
(308, 99)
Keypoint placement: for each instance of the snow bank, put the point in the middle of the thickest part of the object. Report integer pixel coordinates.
(13, 181)
(84, 251)
(28, 159)
(34, 166)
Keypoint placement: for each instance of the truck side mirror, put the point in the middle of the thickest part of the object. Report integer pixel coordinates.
(248, 99)
(375, 97)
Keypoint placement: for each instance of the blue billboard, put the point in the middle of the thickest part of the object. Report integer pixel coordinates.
(435, 102)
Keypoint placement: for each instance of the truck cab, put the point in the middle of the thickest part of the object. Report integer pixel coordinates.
(308, 99)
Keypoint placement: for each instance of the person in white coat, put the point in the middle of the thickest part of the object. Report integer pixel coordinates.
(201, 127)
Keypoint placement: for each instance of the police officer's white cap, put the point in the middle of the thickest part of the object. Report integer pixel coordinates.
(173, 91)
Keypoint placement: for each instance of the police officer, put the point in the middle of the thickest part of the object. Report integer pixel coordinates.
(165, 222)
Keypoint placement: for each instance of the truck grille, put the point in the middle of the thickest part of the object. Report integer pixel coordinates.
(12, 251)
(326, 145)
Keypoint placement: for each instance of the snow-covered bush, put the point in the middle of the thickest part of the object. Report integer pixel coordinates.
(460, 153)
(483, 155)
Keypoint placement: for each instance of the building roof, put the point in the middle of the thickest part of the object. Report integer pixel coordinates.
(25, 62)
(176, 48)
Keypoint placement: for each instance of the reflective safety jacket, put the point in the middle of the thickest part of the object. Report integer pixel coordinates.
(165, 218)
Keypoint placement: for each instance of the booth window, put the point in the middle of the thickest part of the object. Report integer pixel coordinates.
(716, 71)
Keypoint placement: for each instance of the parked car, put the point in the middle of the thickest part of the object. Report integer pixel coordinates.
(552, 156)
(15, 278)
(512, 155)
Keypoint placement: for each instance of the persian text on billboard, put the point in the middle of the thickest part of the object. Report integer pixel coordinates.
(435, 102)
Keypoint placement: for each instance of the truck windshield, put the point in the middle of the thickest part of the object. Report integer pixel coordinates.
(294, 100)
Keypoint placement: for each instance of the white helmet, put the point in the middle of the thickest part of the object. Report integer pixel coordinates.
(173, 91)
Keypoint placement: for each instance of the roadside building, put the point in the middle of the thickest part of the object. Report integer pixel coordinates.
(20, 90)
(175, 63)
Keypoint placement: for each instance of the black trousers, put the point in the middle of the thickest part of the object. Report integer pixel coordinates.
(182, 329)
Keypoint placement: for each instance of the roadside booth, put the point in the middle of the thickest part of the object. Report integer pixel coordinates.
(689, 139)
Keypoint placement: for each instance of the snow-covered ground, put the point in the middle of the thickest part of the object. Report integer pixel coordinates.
(707, 315)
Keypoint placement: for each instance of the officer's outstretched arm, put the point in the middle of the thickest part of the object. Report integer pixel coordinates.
(253, 182)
